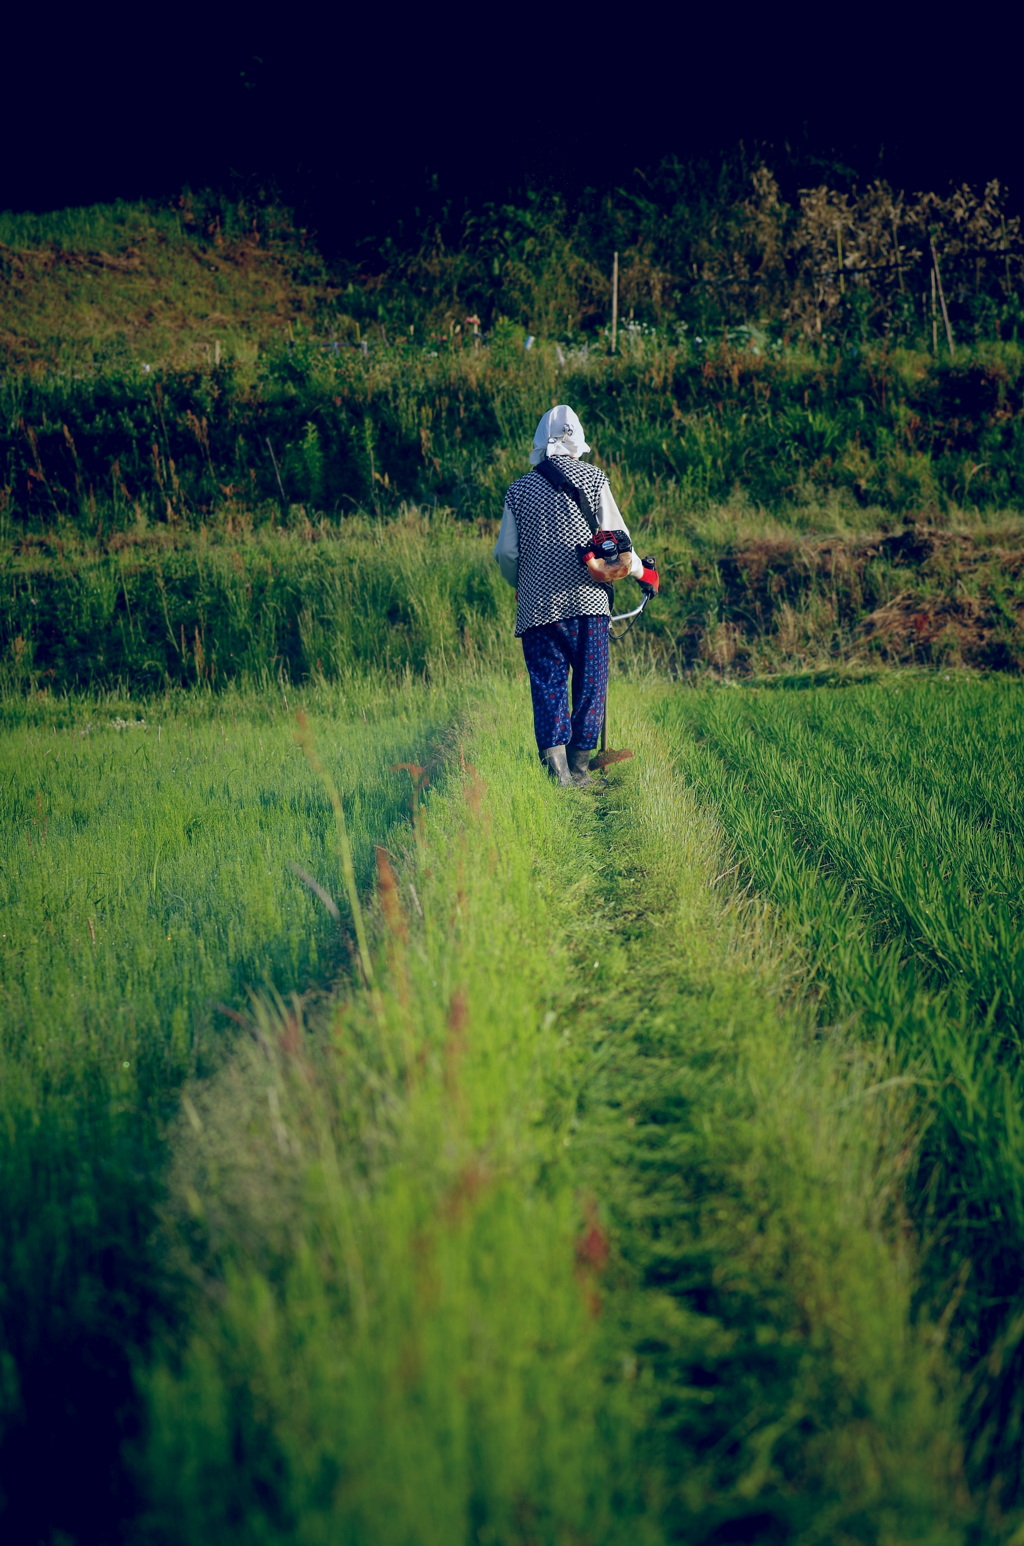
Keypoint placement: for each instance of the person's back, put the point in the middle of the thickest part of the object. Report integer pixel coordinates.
(552, 583)
(563, 606)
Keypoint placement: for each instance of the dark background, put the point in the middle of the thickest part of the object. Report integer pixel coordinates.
(363, 119)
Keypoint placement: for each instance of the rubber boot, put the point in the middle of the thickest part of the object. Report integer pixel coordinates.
(579, 765)
(553, 758)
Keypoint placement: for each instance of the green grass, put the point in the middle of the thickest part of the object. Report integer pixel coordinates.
(884, 823)
(641, 1165)
(656, 1181)
(144, 882)
(418, 594)
(112, 288)
(420, 591)
(93, 451)
(186, 365)
(573, 1233)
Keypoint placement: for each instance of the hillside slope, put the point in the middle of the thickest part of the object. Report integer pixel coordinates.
(182, 287)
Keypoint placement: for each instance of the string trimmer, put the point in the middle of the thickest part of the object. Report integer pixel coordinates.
(610, 546)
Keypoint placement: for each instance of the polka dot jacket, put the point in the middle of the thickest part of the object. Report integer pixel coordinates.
(545, 525)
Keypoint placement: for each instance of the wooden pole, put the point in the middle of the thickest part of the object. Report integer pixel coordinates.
(615, 300)
(896, 244)
(277, 474)
(935, 324)
(942, 299)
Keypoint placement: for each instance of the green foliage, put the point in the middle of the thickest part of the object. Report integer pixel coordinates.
(417, 594)
(145, 883)
(884, 822)
(657, 1173)
(678, 430)
(160, 379)
(570, 1225)
(421, 592)
(506, 342)
(529, 1245)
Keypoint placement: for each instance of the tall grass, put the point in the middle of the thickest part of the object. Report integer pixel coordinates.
(145, 893)
(418, 594)
(883, 822)
(567, 1231)
(421, 593)
(678, 429)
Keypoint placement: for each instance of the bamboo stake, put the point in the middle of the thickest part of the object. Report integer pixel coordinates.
(935, 325)
(896, 244)
(615, 300)
(277, 472)
(942, 299)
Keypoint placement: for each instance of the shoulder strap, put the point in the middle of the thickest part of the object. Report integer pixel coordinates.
(558, 480)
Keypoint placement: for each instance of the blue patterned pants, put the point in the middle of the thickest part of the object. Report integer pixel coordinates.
(580, 645)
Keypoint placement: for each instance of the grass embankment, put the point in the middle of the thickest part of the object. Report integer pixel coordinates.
(312, 430)
(144, 882)
(126, 286)
(186, 366)
(416, 593)
(885, 825)
(567, 1229)
(325, 604)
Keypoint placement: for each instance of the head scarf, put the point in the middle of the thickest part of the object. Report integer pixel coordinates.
(559, 433)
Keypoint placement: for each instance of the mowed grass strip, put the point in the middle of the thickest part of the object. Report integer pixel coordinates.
(145, 881)
(883, 822)
(376, 1209)
(570, 1228)
(751, 1173)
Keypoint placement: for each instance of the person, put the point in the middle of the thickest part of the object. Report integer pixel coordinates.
(562, 606)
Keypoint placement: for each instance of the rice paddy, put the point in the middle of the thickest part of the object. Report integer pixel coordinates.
(653, 1178)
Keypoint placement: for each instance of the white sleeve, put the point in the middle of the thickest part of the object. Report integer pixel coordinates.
(506, 549)
(611, 520)
(610, 515)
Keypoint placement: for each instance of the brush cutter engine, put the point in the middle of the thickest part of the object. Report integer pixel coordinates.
(608, 546)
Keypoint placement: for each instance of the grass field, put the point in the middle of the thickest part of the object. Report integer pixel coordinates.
(653, 1178)
(394, 1149)
(146, 895)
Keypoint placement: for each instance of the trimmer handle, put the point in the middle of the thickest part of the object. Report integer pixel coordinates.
(648, 581)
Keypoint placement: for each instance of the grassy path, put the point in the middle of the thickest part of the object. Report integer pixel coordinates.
(570, 1227)
(755, 1195)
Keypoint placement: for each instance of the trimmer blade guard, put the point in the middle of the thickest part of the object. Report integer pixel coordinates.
(605, 759)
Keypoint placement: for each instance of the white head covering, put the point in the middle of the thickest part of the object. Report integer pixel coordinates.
(559, 433)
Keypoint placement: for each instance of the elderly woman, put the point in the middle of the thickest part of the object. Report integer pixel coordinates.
(564, 605)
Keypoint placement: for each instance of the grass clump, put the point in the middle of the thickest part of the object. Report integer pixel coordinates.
(418, 594)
